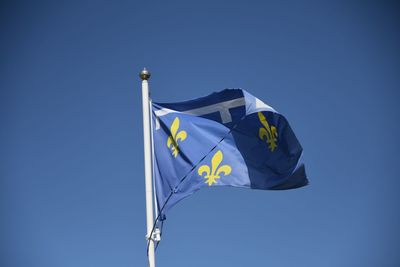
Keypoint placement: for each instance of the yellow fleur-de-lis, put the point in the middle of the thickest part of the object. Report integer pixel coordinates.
(214, 173)
(268, 132)
(175, 136)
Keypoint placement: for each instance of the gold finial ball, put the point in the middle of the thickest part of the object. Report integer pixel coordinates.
(145, 74)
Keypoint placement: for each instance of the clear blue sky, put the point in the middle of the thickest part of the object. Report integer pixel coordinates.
(71, 156)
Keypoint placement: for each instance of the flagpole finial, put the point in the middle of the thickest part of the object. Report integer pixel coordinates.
(145, 74)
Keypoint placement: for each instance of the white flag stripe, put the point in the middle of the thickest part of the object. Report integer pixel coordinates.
(222, 108)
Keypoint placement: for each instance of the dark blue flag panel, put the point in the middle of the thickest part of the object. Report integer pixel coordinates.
(229, 138)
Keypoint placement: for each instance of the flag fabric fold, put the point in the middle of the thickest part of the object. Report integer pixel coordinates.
(228, 138)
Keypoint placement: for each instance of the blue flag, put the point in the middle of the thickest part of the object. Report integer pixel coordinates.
(228, 138)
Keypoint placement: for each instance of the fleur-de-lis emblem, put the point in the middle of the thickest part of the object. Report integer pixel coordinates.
(212, 175)
(268, 132)
(175, 136)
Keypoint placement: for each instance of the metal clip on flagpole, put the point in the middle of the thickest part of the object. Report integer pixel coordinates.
(145, 75)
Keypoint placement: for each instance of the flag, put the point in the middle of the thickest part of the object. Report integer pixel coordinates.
(228, 138)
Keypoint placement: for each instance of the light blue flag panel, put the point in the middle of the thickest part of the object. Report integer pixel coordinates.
(228, 138)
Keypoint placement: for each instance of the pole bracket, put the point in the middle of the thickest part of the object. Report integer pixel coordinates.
(155, 236)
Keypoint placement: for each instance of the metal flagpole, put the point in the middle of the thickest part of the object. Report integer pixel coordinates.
(145, 75)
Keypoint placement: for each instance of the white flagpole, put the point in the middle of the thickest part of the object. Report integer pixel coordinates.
(145, 75)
